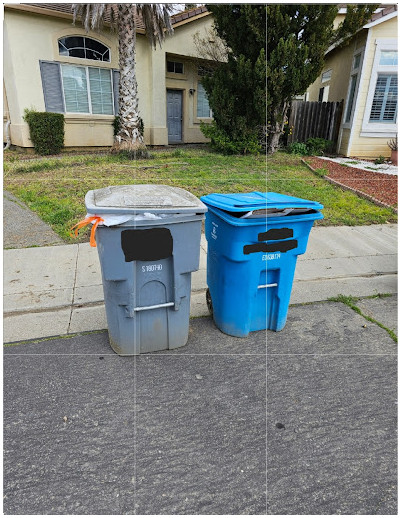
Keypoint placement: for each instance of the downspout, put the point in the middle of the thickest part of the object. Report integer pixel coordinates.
(8, 137)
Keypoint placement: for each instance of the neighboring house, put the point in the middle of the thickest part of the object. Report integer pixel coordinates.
(364, 74)
(52, 65)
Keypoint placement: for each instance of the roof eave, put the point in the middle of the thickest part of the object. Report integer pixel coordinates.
(39, 10)
(192, 19)
(367, 26)
(53, 13)
(193, 15)
(381, 20)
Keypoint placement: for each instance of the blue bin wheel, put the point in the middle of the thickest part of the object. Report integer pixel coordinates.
(209, 302)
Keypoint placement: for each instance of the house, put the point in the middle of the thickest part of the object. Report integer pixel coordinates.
(52, 65)
(363, 73)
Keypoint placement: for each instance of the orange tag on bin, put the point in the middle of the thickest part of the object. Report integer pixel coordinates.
(90, 219)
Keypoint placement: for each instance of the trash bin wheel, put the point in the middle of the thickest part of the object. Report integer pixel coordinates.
(209, 301)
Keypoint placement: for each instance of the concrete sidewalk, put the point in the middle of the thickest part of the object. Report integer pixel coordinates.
(23, 227)
(57, 290)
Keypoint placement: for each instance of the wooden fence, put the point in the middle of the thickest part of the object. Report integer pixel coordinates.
(315, 119)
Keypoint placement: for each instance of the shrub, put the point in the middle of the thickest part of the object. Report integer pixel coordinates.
(298, 148)
(317, 146)
(380, 160)
(313, 146)
(221, 141)
(46, 131)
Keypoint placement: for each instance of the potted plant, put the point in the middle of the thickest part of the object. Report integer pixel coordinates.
(393, 146)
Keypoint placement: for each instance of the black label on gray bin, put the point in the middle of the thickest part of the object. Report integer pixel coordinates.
(147, 244)
(282, 246)
(276, 233)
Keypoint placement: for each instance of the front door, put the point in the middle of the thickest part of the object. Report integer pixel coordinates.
(174, 116)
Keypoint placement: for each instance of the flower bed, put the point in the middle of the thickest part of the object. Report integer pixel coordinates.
(380, 186)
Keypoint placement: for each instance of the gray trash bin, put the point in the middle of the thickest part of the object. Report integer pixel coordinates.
(146, 263)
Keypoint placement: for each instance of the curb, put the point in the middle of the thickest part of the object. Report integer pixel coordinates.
(67, 320)
(352, 189)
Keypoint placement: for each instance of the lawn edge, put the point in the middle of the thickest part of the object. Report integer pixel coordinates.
(352, 189)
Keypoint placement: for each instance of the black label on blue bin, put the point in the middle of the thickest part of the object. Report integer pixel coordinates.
(282, 246)
(276, 233)
(147, 244)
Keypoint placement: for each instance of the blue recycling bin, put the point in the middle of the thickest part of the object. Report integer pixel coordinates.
(253, 243)
(289, 222)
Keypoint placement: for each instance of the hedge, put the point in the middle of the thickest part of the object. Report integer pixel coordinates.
(46, 131)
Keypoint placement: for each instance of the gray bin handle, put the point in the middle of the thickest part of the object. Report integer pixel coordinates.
(156, 306)
(131, 310)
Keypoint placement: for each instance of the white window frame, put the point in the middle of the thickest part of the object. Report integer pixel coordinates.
(379, 129)
(86, 67)
(327, 78)
(210, 116)
(353, 72)
(84, 47)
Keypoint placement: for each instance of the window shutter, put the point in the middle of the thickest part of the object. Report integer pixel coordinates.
(391, 100)
(384, 104)
(116, 91)
(52, 88)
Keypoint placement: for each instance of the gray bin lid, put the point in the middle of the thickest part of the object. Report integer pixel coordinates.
(137, 199)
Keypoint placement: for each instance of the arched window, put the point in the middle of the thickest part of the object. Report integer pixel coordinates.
(84, 48)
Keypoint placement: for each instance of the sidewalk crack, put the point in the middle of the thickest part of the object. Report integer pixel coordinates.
(351, 302)
(73, 289)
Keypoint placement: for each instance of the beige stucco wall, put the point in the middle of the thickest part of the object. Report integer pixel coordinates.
(351, 143)
(340, 62)
(5, 104)
(370, 147)
(29, 38)
(23, 84)
(182, 44)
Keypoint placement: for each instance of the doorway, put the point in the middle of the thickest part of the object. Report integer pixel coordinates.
(174, 116)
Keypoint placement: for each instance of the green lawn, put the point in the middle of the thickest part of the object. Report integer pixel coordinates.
(55, 187)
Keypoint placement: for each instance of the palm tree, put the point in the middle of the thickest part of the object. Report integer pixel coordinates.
(157, 21)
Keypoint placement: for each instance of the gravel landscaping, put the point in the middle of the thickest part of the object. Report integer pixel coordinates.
(367, 165)
(381, 186)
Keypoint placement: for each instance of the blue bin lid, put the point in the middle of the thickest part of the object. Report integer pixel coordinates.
(242, 202)
(245, 202)
(282, 201)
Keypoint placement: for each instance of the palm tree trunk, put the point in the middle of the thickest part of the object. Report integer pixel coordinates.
(129, 137)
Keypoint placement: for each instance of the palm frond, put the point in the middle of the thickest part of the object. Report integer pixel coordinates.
(157, 21)
(93, 16)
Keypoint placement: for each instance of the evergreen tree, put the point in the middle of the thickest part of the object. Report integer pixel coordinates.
(236, 89)
(298, 36)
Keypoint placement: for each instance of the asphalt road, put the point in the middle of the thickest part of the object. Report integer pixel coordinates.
(216, 427)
